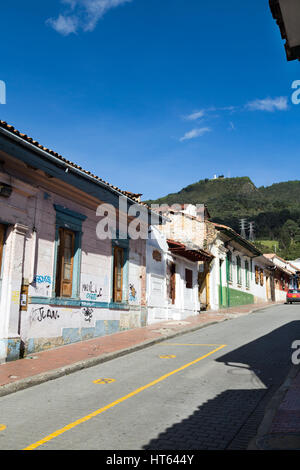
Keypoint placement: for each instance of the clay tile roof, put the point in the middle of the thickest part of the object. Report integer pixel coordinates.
(269, 255)
(192, 253)
(10, 128)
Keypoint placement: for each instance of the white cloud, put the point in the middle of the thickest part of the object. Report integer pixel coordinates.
(269, 104)
(207, 113)
(64, 24)
(196, 115)
(82, 14)
(194, 133)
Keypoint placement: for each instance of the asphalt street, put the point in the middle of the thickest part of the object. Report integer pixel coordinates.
(203, 390)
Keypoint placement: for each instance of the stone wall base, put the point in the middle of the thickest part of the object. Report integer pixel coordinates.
(10, 349)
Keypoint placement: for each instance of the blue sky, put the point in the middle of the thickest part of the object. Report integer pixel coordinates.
(153, 95)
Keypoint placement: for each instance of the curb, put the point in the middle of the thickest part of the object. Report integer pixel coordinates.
(272, 408)
(86, 363)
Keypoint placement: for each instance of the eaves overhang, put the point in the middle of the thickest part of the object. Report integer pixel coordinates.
(287, 16)
(231, 235)
(192, 254)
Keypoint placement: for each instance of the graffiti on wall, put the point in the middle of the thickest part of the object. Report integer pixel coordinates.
(91, 291)
(41, 313)
(132, 292)
(42, 280)
(15, 297)
(42, 285)
(88, 314)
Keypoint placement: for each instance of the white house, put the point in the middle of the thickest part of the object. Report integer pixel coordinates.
(239, 273)
(173, 260)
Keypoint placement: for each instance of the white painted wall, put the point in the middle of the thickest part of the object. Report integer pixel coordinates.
(159, 305)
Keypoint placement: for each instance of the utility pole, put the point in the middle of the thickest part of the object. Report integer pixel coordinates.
(251, 231)
(243, 223)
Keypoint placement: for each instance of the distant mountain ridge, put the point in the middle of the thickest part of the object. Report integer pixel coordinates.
(230, 199)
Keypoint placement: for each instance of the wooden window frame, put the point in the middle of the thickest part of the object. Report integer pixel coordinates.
(118, 292)
(171, 282)
(256, 275)
(261, 277)
(63, 286)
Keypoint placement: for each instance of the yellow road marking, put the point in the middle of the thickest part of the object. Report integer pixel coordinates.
(103, 381)
(117, 402)
(2, 427)
(167, 356)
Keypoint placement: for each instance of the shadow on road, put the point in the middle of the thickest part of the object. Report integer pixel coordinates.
(231, 419)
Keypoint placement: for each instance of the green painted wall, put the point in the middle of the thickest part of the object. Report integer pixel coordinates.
(235, 297)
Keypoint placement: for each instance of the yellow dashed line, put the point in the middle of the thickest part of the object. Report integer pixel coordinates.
(2, 427)
(117, 402)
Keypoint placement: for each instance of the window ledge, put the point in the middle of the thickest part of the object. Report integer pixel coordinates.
(70, 302)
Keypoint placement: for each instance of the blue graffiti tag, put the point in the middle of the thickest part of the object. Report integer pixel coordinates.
(42, 280)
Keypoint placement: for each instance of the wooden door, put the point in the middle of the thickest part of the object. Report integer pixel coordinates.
(203, 286)
(173, 283)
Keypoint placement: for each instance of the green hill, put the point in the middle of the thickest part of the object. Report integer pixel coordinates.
(275, 209)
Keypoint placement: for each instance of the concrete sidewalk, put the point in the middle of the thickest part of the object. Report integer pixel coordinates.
(280, 428)
(47, 365)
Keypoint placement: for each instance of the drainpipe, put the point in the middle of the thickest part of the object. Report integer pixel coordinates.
(33, 251)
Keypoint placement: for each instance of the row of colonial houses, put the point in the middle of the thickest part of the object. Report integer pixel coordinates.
(80, 258)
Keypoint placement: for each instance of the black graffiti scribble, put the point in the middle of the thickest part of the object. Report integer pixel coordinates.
(92, 289)
(41, 314)
(88, 314)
